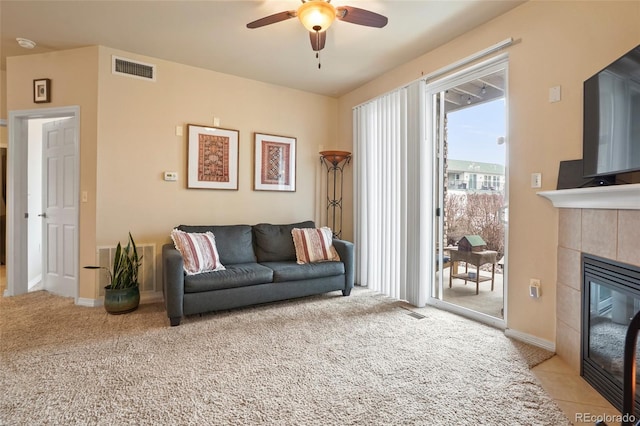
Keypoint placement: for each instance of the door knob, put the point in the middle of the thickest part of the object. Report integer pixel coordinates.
(43, 215)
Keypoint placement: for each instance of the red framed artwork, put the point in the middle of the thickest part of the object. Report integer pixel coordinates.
(275, 163)
(212, 158)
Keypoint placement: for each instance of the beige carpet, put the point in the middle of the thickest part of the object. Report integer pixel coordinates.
(326, 360)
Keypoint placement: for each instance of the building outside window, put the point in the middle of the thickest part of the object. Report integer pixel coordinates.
(473, 176)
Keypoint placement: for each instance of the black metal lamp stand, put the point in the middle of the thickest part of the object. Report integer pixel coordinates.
(335, 162)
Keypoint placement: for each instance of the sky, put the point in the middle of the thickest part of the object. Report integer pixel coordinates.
(473, 133)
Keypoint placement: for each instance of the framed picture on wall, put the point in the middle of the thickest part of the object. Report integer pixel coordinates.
(212, 157)
(42, 90)
(275, 163)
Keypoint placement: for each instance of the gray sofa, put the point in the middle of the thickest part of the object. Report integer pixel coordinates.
(261, 267)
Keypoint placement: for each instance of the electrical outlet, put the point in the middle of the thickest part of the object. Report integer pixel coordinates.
(534, 288)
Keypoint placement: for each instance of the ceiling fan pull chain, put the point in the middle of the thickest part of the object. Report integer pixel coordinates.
(318, 44)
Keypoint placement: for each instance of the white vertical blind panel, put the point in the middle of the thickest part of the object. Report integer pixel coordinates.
(419, 206)
(389, 134)
(380, 134)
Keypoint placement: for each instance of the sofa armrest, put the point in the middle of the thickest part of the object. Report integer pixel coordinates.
(173, 282)
(346, 252)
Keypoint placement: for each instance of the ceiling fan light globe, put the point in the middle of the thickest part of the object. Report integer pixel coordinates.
(316, 13)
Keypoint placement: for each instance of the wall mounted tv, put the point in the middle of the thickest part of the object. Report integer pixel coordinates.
(611, 130)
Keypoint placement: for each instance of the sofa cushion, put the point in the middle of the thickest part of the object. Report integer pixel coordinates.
(198, 251)
(234, 242)
(238, 275)
(314, 245)
(275, 243)
(292, 271)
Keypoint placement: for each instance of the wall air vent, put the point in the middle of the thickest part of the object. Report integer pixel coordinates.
(136, 69)
(146, 273)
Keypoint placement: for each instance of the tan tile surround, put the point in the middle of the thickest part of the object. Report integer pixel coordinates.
(612, 234)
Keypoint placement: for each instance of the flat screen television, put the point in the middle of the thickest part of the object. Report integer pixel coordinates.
(611, 130)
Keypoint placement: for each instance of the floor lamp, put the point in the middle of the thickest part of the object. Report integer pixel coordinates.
(335, 162)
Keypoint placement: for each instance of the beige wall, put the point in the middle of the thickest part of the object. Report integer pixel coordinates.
(137, 142)
(128, 139)
(557, 43)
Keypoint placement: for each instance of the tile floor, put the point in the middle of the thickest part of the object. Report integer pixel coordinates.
(582, 404)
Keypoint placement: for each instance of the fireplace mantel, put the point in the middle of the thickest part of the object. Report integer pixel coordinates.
(622, 197)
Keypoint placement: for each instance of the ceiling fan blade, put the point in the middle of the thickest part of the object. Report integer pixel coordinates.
(358, 16)
(272, 19)
(317, 40)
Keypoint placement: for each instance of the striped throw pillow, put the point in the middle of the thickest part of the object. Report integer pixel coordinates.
(314, 245)
(198, 251)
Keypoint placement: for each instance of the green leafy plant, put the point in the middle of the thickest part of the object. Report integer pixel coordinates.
(126, 264)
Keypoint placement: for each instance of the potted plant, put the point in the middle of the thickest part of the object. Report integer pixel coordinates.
(122, 295)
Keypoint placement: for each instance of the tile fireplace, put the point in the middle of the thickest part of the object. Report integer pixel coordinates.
(599, 222)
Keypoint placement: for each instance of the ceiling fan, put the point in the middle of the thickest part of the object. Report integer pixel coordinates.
(317, 16)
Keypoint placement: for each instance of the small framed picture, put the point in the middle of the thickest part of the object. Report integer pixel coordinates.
(212, 157)
(42, 90)
(275, 163)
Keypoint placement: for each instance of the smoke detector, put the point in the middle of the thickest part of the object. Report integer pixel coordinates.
(26, 43)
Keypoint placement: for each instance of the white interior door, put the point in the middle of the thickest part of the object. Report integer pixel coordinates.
(60, 207)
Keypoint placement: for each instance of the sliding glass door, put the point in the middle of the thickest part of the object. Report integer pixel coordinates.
(467, 126)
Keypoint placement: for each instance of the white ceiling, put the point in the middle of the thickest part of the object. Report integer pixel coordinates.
(213, 35)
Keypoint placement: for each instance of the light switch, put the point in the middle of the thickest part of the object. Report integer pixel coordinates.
(216, 121)
(85, 196)
(536, 180)
(178, 130)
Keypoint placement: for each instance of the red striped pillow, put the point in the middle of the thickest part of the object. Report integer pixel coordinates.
(314, 245)
(198, 251)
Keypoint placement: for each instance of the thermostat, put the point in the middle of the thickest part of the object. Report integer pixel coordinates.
(171, 176)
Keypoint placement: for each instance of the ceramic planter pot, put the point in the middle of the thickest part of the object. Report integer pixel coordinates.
(121, 300)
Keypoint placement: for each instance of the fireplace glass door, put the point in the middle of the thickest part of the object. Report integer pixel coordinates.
(611, 312)
(611, 298)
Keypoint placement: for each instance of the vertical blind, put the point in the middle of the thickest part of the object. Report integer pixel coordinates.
(388, 145)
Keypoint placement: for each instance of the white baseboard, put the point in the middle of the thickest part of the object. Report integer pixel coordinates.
(145, 297)
(89, 303)
(35, 284)
(532, 340)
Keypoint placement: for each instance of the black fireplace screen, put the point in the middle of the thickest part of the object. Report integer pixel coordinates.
(611, 297)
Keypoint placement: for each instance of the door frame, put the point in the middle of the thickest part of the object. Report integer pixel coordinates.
(17, 197)
(493, 64)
